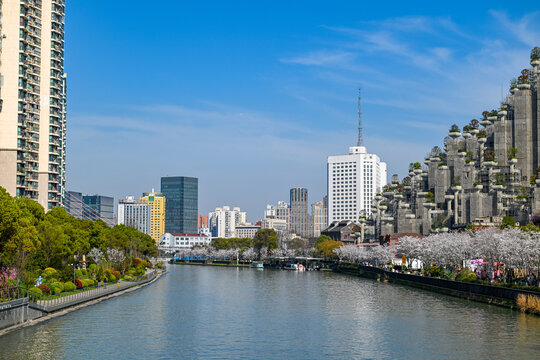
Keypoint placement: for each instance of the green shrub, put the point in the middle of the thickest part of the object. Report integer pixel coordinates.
(78, 274)
(132, 272)
(84, 272)
(35, 290)
(137, 262)
(66, 274)
(466, 275)
(160, 265)
(128, 278)
(100, 275)
(87, 282)
(57, 290)
(29, 277)
(435, 271)
(140, 271)
(58, 285)
(49, 273)
(69, 286)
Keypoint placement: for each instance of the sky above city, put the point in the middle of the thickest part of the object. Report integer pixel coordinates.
(251, 97)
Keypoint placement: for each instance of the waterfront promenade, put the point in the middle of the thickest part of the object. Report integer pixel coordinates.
(30, 311)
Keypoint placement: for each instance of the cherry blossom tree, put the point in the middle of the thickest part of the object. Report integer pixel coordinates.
(95, 255)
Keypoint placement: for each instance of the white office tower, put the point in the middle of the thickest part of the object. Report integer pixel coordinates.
(223, 221)
(33, 100)
(134, 214)
(353, 181)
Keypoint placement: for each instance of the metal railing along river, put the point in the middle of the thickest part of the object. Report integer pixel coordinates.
(49, 303)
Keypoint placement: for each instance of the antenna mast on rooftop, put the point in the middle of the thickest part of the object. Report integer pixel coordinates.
(360, 141)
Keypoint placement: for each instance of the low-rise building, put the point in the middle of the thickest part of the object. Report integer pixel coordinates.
(247, 230)
(176, 241)
(279, 225)
(344, 231)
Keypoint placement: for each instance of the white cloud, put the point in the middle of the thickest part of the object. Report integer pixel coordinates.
(321, 58)
(525, 29)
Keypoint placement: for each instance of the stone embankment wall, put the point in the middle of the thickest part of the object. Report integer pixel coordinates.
(16, 312)
(478, 292)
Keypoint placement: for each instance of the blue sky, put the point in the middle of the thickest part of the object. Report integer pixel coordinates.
(251, 97)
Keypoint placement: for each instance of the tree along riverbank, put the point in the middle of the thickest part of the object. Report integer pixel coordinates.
(524, 300)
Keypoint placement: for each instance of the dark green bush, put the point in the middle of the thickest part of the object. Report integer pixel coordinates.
(466, 275)
(66, 274)
(140, 270)
(435, 271)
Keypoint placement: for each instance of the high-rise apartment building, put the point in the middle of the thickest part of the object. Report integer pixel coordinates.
(134, 214)
(157, 213)
(202, 221)
(223, 221)
(300, 222)
(319, 213)
(353, 181)
(181, 211)
(280, 211)
(33, 100)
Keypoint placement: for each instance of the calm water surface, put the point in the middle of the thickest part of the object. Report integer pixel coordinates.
(225, 313)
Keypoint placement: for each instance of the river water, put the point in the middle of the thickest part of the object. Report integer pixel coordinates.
(229, 313)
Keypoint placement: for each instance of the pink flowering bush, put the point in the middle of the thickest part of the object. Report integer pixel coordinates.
(7, 277)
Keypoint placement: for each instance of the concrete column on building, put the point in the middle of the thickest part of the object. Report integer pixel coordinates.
(523, 128)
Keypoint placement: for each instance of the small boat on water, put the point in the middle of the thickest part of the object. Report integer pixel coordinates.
(257, 265)
(294, 267)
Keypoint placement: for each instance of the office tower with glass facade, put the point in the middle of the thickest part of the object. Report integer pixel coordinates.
(181, 211)
(300, 222)
(101, 205)
(33, 100)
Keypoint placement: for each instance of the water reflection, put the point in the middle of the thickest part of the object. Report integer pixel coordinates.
(205, 312)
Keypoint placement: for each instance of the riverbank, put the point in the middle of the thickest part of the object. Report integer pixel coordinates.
(211, 264)
(59, 310)
(496, 295)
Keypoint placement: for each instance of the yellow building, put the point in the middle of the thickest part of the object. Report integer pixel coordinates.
(157, 215)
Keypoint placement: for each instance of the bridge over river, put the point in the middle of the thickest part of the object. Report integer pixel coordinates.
(242, 313)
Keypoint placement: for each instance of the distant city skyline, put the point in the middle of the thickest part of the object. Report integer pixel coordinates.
(256, 101)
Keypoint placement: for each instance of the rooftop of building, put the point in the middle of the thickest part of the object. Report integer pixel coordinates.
(188, 235)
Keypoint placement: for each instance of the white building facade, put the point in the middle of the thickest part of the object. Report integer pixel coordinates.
(135, 214)
(223, 221)
(353, 181)
(279, 225)
(319, 212)
(247, 230)
(176, 241)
